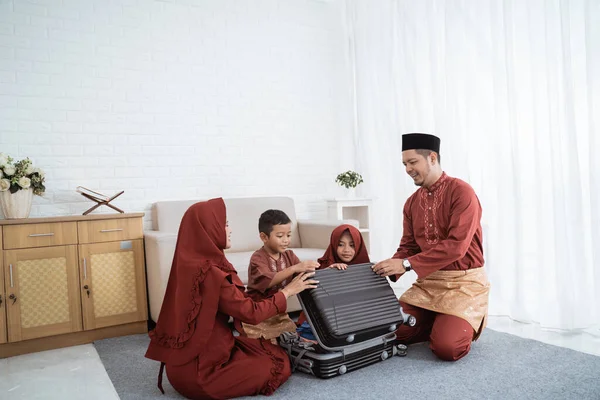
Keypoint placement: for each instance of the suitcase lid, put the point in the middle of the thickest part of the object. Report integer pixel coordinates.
(347, 302)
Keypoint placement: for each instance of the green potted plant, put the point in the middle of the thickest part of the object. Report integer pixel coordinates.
(350, 180)
(19, 181)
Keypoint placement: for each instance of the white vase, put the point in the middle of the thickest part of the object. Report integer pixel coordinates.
(351, 193)
(16, 205)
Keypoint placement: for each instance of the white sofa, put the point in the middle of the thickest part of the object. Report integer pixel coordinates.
(309, 239)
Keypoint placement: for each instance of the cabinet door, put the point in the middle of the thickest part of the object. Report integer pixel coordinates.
(42, 292)
(3, 333)
(113, 283)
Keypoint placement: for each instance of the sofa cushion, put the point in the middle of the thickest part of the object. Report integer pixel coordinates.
(240, 261)
(242, 214)
(308, 254)
(166, 215)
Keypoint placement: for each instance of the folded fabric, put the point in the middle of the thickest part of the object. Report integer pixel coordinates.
(305, 331)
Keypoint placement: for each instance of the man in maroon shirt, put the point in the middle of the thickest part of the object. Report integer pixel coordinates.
(442, 243)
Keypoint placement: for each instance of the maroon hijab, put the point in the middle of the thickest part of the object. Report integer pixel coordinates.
(191, 300)
(330, 257)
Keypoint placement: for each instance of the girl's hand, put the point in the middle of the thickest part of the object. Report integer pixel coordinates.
(340, 266)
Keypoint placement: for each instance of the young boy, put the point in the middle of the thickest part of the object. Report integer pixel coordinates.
(271, 268)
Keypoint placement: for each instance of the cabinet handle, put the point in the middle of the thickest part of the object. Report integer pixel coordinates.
(13, 298)
(11, 277)
(84, 269)
(41, 234)
(111, 230)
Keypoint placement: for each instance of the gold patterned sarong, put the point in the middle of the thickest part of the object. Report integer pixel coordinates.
(463, 294)
(270, 328)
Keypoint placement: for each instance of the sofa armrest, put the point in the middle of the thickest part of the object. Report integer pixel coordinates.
(159, 249)
(315, 234)
(159, 235)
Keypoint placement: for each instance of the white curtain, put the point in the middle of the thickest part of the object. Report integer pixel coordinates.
(513, 89)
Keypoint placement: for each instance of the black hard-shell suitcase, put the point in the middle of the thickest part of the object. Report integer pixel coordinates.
(353, 315)
(351, 306)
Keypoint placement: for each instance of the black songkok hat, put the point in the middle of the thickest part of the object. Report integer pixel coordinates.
(415, 141)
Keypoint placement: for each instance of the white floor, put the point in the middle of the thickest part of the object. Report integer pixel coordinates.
(77, 372)
(70, 373)
(584, 341)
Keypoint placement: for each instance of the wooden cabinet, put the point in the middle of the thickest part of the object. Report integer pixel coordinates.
(70, 280)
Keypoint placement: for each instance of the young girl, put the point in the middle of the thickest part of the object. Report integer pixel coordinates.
(346, 247)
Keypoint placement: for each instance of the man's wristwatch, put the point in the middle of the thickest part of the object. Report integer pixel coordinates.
(406, 265)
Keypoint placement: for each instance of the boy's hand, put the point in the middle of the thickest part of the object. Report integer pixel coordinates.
(340, 266)
(306, 266)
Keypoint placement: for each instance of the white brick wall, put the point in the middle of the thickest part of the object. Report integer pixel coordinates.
(176, 99)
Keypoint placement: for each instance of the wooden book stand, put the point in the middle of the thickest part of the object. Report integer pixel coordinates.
(99, 198)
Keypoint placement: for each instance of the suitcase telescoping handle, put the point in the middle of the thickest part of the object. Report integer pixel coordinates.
(407, 319)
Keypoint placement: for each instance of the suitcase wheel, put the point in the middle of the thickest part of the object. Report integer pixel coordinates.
(402, 350)
(342, 370)
(384, 355)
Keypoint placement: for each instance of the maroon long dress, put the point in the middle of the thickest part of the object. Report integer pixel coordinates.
(192, 339)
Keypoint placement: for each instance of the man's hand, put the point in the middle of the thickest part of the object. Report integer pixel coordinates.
(389, 267)
(340, 266)
(306, 266)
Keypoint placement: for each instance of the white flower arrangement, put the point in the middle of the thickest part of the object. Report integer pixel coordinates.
(18, 175)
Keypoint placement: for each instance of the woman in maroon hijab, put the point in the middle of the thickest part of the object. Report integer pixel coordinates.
(192, 336)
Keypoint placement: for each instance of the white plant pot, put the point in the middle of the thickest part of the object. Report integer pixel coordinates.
(16, 205)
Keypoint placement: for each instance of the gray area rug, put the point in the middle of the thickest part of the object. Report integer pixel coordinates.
(499, 366)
